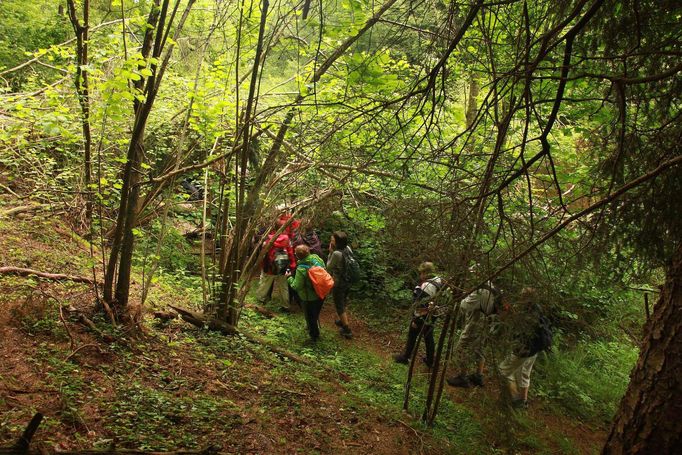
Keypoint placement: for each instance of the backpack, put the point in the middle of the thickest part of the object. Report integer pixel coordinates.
(321, 280)
(351, 267)
(311, 240)
(497, 298)
(541, 339)
(280, 262)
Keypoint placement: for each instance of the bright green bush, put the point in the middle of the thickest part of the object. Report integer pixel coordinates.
(587, 381)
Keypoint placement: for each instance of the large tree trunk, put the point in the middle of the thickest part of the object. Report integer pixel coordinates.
(648, 420)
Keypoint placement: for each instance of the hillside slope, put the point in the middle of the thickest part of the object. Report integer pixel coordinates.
(175, 386)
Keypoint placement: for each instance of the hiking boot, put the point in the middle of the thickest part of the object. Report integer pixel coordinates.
(476, 379)
(519, 404)
(400, 358)
(460, 380)
(346, 333)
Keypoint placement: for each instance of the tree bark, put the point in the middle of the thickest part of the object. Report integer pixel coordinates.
(648, 420)
(83, 92)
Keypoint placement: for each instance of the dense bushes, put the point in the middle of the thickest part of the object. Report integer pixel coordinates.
(588, 380)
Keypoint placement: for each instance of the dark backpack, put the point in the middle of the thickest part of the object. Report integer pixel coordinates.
(280, 262)
(541, 338)
(351, 267)
(310, 239)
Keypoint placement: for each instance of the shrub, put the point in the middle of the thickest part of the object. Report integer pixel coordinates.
(587, 381)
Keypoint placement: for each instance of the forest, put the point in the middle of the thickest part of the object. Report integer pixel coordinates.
(343, 226)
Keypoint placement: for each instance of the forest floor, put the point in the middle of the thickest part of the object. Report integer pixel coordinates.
(175, 386)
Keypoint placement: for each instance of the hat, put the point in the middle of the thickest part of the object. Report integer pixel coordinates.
(427, 267)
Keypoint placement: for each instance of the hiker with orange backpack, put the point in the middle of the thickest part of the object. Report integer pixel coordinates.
(312, 283)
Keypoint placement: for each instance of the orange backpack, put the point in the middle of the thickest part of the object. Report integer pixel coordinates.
(321, 280)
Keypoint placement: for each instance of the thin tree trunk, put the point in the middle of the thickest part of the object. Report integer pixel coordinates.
(648, 420)
(237, 251)
(83, 92)
(472, 106)
(109, 279)
(124, 239)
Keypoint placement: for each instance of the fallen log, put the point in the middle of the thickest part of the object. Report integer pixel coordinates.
(24, 441)
(201, 320)
(48, 276)
(23, 209)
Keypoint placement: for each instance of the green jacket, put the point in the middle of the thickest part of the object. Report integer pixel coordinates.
(300, 282)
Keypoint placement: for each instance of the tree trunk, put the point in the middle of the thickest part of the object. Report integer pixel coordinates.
(83, 92)
(648, 420)
(124, 239)
(110, 275)
(472, 105)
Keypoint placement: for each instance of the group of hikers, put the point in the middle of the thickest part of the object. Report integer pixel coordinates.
(518, 332)
(294, 273)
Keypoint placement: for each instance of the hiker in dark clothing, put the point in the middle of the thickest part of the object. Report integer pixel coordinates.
(304, 234)
(530, 334)
(336, 265)
(301, 284)
(423, 318)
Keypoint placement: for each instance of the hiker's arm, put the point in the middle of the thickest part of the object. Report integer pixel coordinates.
(292, 258)
(334, 264)
(296, 281)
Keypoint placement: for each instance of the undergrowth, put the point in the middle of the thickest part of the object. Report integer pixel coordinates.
(586, 382)
(374, 379)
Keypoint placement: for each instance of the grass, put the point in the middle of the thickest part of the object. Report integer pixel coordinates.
(375, 381)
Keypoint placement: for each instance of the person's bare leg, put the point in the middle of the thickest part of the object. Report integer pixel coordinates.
(523, 393)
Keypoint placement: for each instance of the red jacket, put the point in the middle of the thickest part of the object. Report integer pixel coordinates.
(293, 226)
(281, 242)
